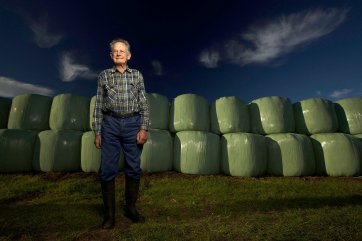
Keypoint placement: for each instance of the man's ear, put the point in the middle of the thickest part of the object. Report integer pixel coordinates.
(129, 56)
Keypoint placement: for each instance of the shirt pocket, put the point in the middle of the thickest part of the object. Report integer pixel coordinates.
(112, 92)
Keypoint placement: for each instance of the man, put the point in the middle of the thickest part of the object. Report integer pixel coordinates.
(120, 120)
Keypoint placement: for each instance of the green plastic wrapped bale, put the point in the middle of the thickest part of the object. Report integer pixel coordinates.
(315, 115)
(189, 112)
(290, 155)
(243, 154)
(336, 154)
(228, 115)
(349, 113)
(30, 112)
(91, 156)
(58, 151)
(359, 137)
(157, 152)
(69, 112)
(16, 149)
(159, 108)
(271, 115)
(197, 152)
(91, 111)
(5, 104)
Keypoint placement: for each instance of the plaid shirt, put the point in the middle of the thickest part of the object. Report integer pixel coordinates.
(121, 93)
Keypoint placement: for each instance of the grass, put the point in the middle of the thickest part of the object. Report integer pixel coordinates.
(60, 206)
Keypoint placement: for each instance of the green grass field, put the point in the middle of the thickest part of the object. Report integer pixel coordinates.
(58, 206)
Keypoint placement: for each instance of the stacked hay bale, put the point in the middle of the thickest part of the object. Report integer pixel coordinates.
(349, 114)
(242, 153)
(196, 150)
(29, 114)
(289, 154)
(59, 149)
(157, 154)
(335, 153)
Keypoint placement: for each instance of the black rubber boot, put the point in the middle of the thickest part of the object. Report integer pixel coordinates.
(131, 195)
(109, 200)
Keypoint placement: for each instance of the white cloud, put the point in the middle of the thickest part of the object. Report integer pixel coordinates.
(11, 88)
(157, 67)
(261, 44)
(41, 34)
(70, 71)
(209, 58)
(337, 94)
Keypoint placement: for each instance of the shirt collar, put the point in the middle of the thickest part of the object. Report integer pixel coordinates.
(127, 69)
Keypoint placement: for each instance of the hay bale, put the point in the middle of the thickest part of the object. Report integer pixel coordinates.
(92, 106)
(197, 152)
(157, 152)
(30, 112)
(270, 115)
(243, 154)
(58, 151)
(290, 155)
(359, 145)
(228, 115)
(5, 104)
(349, 113)
(189, 112)
(69, 112)
(91, 156)
(336, 154)
(315, 115)
(159, 107)
(16, 149)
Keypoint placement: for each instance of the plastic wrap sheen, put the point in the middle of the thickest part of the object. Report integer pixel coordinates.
(69, 112)
(315, 115)
(157, 152)
(336, 154)
(189, 112)
(349, 112)
(58, 151)
(197, 152)
(229, 114)
(243, 154)
(290, 155)
(30, 112)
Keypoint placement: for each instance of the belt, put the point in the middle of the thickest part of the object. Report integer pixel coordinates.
(113, 114)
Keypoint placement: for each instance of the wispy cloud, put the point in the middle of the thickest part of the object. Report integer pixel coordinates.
(70, 71)
(41, 33)
(337, 94)
(11, 88)
(209, 58)
(157, 67)
(263, 43)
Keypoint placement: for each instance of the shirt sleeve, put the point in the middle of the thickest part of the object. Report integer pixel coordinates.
(97, 114)
(143, 105)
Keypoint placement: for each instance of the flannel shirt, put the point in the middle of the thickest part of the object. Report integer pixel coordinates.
(121, 93)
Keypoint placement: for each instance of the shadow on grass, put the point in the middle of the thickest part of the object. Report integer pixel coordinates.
(48, 219)
(282, 204)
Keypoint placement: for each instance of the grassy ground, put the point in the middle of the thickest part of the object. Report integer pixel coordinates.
(58, 206)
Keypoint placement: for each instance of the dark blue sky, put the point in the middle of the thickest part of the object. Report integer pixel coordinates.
(249, 49)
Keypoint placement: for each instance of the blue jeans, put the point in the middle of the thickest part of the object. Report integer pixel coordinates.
(117, 133)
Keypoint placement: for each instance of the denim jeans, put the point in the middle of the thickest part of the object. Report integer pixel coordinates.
(120, 134)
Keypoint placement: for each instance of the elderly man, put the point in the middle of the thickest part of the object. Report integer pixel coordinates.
(120, 121)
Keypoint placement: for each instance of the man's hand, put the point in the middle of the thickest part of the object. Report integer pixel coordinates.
(141, 137)
(98, 141)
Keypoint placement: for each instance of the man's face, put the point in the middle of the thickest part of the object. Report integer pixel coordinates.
(120, 54)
